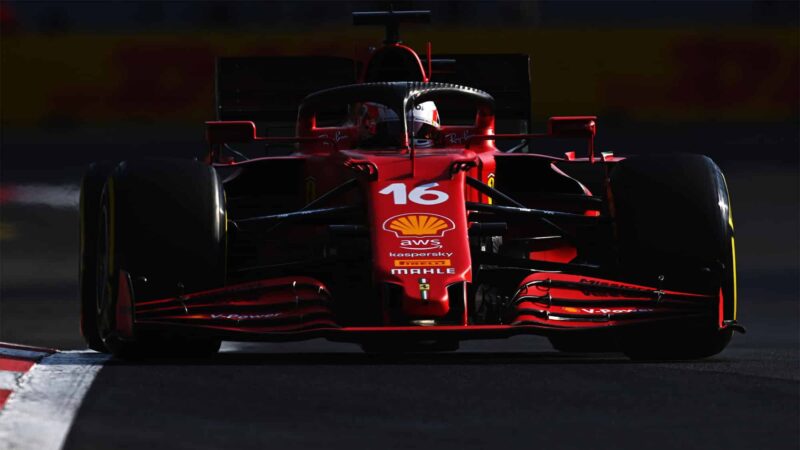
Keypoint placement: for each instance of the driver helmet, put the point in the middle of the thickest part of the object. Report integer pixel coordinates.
(379, 125)
(424, 119)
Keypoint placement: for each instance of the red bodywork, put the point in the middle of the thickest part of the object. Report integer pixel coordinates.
(421, 253)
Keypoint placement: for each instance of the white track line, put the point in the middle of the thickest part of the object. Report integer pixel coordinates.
(8, 380)
(40, 411)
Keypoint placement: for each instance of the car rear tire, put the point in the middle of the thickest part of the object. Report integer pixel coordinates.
(672, 213)
(162, 223)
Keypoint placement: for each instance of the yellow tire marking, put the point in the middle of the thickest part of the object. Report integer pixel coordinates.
(735, 288)
(733, 251)
(490, 183)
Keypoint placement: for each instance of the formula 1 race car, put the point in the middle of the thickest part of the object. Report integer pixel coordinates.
(407, 213)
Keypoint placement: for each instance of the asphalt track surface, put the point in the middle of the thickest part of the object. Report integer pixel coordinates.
(516, 393)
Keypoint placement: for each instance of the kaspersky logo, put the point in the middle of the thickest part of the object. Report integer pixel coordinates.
(418, 231)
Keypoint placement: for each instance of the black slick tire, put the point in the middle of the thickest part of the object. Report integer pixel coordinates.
(162, 223)
(672, 214)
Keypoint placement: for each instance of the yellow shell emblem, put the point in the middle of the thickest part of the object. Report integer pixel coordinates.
(419, 225)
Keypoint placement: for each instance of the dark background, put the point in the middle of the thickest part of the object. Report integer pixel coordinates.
(82, 81)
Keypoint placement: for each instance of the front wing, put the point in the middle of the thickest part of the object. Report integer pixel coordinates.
(299, 308)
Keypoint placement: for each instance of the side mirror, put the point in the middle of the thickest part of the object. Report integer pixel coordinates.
(223, 132)
(572, 127)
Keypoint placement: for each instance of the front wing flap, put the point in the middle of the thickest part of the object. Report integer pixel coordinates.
(298, 308)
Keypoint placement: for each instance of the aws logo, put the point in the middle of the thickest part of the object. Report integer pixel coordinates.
(419, 231)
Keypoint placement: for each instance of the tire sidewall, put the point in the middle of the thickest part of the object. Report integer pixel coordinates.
(92, 187)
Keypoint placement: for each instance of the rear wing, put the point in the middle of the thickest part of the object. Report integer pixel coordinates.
(269, 90)
(506, 77)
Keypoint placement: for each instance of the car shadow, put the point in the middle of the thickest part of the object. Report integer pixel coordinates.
(408, 359)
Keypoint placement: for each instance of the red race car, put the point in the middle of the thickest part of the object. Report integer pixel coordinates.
(408, 212)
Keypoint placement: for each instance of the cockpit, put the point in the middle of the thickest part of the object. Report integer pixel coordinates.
(398, 115)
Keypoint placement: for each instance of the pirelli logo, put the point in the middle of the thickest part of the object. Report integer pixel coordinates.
(422, 263)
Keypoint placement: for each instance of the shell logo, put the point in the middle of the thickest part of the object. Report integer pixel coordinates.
(418, 225)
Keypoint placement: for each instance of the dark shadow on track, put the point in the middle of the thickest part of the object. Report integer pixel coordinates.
(426, 359)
